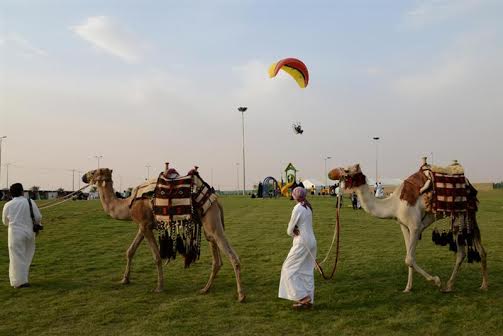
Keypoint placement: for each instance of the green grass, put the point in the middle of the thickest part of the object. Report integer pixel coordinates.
(80, 259)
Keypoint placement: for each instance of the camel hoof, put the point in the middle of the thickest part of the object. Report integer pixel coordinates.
(437, 282)
(204, 290)
(241, 298)
(483, 288)
(125, 281)
(157, 290)
(446, 290)
(407, 290)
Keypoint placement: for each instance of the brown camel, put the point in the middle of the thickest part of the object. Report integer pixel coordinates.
(412, 219)
(141, 213)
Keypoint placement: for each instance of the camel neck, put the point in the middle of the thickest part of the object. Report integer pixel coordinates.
(116, 208)
(378, 207)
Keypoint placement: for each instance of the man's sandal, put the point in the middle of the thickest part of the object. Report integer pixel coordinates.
(302, 305)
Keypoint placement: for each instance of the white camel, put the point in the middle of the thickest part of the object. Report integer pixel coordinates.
(412, 219)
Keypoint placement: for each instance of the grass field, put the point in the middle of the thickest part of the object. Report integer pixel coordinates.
(80, 259)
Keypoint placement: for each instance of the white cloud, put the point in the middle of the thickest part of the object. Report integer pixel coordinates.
(472, 60)
(16, 44)
(107, 35)
(374, 71)
(253, 78)
(436, 81)
(431, 11)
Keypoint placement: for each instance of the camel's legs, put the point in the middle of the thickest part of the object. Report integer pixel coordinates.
(224, 245)
(460, 256)
(483, 263)
(410, 259)
(406, 238)
(215, 267)
(149, 236)
(130, 254)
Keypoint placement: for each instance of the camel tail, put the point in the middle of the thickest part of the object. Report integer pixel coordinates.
(476, 251)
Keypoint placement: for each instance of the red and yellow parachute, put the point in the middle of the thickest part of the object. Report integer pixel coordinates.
(294, 67)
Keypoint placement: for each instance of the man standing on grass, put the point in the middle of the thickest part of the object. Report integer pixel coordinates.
(297, 273)
(17, 216)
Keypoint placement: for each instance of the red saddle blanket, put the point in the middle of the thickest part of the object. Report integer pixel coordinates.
(173, 199)
(449, 193)
(177, 200)
(178, 205)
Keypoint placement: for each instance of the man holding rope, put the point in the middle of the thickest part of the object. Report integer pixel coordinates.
(297, 273)
(22, 217)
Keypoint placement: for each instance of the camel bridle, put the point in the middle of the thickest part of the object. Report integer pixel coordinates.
(354, 181)
(93, 179)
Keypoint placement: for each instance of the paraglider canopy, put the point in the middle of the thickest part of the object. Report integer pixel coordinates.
(294, 67)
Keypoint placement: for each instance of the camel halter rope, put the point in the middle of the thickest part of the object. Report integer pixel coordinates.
(60, 200)
(335, 239)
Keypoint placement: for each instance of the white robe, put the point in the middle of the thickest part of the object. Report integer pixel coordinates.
(21, 240)
(297, 273)
(379, 191)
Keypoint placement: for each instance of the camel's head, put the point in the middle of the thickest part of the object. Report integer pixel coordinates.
(352, 176)
(103, 175)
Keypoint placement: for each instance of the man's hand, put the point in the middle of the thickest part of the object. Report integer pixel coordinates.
(296, 231)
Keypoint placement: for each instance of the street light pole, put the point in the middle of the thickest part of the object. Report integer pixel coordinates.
(326, 180)
(242, 109)
(98, 157)
(148, 171)
(237, 177)
(377, 143)
(7, 166)
(1, 138)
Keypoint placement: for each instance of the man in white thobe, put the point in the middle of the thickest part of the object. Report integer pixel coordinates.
(297, 273)
(21, 238)
(379, 191)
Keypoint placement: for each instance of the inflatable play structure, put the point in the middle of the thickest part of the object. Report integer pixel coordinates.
(270, 187)
(291, 181)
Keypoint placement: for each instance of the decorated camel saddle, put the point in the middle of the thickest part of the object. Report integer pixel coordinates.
(179, 203)
(447, 193)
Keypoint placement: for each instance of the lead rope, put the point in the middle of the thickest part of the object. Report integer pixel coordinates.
(334, 238)
(64, 199)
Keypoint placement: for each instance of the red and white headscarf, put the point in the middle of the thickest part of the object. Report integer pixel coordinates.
(299, 194)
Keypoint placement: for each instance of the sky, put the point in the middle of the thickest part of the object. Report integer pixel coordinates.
(139, 83)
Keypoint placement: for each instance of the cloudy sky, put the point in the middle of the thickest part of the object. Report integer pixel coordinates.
(144, 82)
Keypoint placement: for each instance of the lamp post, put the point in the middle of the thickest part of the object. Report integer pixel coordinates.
(326, 180)
(98, 157)
(237, 177)
(377, 144)
(80, 174)
(1, 138)
(148, 171)
(7, 166)
(242, 109)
